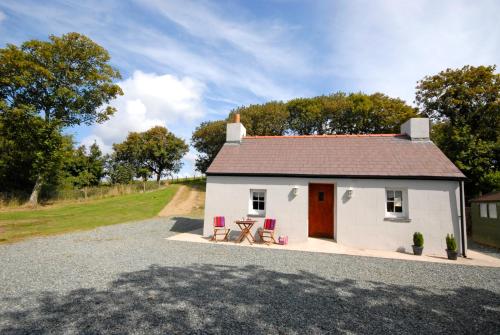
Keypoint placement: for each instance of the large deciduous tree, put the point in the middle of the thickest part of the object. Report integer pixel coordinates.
(155, 151)
(67, 81)
(163, 151)
(464, 105)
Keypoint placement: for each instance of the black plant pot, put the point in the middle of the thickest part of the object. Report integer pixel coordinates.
(452, 254)
(417, 250)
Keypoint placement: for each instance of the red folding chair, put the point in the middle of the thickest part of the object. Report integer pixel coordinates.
(220, 229)
(266, 233)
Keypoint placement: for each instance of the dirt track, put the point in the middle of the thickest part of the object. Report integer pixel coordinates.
(184, 202)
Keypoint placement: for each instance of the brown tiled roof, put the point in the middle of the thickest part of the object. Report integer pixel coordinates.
(386, 155)
(488, 197)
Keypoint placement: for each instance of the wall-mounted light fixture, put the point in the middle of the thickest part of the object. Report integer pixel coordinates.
(348, 193)
(295, 190)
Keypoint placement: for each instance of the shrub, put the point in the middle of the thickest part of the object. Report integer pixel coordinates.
(451, 243)
(418, 239)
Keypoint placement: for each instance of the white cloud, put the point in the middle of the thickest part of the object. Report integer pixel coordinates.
(91, 139)
(230, 76)
(266, 41)
(149, 100)
(388, 46)
(245, 59)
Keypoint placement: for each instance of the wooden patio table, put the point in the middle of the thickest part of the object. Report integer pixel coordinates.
(245, 226)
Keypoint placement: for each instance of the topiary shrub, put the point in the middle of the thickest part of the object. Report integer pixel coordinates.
(451, 243)
(418, 239)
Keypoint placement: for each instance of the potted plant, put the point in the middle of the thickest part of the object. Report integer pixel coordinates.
(451, 247)
(418, 243)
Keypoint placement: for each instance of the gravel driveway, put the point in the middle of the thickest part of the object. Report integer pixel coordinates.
(129, 279)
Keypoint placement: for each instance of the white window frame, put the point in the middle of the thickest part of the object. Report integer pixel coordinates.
(260, 194)
(483, 209)
(404, 200)
(492, 210)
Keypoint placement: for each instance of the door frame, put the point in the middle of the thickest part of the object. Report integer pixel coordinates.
(334, 207)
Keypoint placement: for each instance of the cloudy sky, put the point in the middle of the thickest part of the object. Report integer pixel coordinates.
(184, 62)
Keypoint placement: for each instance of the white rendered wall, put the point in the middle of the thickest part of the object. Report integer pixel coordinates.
(229, 197)
(432, 206)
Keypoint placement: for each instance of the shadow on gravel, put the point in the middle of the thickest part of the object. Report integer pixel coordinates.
(184, 225)
(222, 299)
(490, 251)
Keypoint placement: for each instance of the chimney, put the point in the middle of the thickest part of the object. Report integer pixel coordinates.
(235, 131)
(416, 128)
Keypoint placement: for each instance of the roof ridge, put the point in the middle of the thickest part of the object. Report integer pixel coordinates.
(325, 136)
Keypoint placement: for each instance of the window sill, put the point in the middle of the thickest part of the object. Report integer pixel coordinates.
(402, 219)
(256, 215)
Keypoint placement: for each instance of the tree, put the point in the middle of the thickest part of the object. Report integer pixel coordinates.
(265, 119)
(208, 138)
(156, 151)
(356, 113)
(464, 105)
(130, 152)
(163, 151)
(95, 164)
(67, 80)
(376, 114)
(19, 134)
(118, 172)
(472, 155)
(85, 169)
(490, 182)
(28, 148)
(307, 116)
(467, 96)
(144, 174)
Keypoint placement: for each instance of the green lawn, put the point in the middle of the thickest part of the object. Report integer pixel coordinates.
(20, 224)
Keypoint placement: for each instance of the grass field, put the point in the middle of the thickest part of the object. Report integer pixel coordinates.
(20, 224)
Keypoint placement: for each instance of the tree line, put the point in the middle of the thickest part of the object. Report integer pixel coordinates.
(49, 86)
(463, 105)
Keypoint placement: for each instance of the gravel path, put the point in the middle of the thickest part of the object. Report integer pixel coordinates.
(128, 279)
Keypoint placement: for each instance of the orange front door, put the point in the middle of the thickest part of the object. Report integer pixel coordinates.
(321, 210)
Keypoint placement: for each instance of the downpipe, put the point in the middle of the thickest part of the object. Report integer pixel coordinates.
(462, 218)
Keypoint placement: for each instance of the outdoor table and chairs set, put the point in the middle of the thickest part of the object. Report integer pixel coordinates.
(266, 232)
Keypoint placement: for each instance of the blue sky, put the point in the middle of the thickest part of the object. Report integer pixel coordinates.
(184, 62)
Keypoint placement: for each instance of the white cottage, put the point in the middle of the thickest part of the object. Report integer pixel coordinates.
(365, 191)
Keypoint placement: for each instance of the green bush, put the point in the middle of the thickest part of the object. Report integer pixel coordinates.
(451, 243)
(418, 239)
